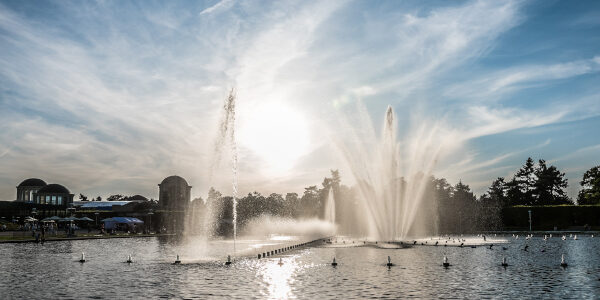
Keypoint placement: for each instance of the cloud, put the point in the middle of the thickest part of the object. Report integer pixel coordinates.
(220, 5)
(513, 79)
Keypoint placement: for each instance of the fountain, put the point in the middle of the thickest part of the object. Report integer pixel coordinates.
(330, 207)
(392, 177)
(226, 137)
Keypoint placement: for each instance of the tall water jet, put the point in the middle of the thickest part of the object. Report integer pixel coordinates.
(226, 137)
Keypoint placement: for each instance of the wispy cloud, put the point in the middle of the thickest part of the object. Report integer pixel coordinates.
(500, 83)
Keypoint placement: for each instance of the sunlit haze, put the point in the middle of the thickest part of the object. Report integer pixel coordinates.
(111, 97)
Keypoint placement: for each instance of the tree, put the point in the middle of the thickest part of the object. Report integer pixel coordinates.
(464, 206)
(98, 198)
(549, 188)
(117, 197)
(525, 180)
(83, 197)
(496, 194)
(311, 201)
(590, 187)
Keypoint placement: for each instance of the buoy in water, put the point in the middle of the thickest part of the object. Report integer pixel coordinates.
(82, 260)
(446, 263)
(177, 261)
(563, 263)
(228, 262)
(129, 259)
(334, 263)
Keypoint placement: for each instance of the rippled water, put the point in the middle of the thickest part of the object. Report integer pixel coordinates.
(52, 271)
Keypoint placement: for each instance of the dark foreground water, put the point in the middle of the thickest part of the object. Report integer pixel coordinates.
(51, 271)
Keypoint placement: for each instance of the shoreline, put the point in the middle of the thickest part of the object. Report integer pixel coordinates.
(76, 238)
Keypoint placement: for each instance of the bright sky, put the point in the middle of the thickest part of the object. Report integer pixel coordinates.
(110, 97)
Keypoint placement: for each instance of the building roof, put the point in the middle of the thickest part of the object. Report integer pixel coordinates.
(99, 204)
(54, 189)
(32, 182)
(174, 179)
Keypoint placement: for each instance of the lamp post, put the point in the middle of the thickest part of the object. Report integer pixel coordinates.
(529, 211)
(96, 213)
(150, 213)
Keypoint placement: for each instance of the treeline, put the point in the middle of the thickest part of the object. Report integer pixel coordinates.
(310, 204)
(444, 208)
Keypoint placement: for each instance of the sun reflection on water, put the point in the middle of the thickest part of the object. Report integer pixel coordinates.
(278, 275)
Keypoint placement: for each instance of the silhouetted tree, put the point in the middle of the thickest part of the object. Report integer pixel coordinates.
(464, 202)
(550, 185)
(590, 187)
(116, 197)
(83, 197)
(524, 182)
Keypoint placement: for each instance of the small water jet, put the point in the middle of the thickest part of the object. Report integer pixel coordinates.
(504, 263)
(563, 263)
(446, 263)
(82, 260)
(129, 259)
(177, 261)
(389, 263)
(330, 207)
(334, 263)
(228, 262)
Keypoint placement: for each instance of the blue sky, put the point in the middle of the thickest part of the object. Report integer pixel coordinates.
(112, 96)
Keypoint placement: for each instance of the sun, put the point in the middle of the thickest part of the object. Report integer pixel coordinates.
(276, 133)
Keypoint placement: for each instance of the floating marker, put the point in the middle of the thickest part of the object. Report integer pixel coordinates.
(334, 263)
(446, 263)
(504, 263)
(177, 261)
(389, 264)
(228, 262)
(129, 259)
(82, 260)
(563, 263)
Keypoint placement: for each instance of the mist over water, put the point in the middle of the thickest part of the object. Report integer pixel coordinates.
(268, 225)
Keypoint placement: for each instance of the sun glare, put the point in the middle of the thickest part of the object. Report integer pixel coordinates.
(276, 133)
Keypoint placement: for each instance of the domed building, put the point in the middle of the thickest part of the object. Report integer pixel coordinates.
(53, 194)
(174, 193)
(27, 188)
